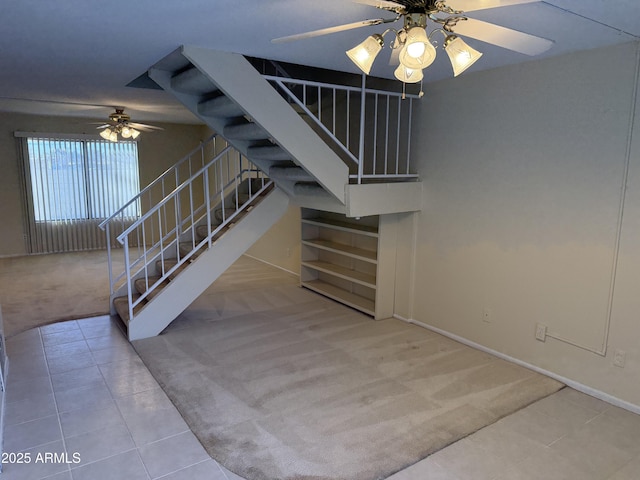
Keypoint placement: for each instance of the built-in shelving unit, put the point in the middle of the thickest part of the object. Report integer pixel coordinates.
(342, 258)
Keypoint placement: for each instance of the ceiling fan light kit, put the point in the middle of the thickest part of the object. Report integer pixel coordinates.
(364, 54)
(413, 45)
(121, 126)
(111, 133)
(461, 55)
(408, 75)
(417, 51)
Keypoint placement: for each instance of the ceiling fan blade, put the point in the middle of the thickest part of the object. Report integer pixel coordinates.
(503, 37)
(326, 31)
(144, 126)
(473, 5)
(101, 126)
(384, 4)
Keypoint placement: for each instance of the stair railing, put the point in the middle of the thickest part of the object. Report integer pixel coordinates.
(152, 193)
(226, 185)
(370, 129)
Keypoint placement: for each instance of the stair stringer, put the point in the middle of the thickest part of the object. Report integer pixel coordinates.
(207, 267)
(237, 79)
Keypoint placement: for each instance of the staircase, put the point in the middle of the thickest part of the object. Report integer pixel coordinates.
(337, 148)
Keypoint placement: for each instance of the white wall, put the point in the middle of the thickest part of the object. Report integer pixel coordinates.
(280, 246)
(523, 170)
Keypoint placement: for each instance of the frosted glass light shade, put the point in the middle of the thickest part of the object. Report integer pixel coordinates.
(113, 136)
(462, 56)
(134, 133)
(106, 133)
(126, 132)
(408, 75)
(364, 54)
(418, 52)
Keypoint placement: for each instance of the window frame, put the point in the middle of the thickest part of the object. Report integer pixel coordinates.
(50, 228)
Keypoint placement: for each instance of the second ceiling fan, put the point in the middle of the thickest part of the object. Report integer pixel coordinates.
(413, 45)
(120, 125)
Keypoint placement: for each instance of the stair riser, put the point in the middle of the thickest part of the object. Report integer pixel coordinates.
(220, 107)
(249, 131)
(310, 189)
(192, 82)
(295, 174)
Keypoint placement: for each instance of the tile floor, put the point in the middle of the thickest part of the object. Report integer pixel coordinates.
(79, 388)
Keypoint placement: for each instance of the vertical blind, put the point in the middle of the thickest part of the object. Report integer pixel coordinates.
(71, 185)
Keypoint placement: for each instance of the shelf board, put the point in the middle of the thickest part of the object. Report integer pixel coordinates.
(342, 249)
(342, 226)
(351, 299)
(354, 276)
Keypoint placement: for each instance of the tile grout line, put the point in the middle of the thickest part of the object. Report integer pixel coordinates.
(183, 468)
(119, 412)
(55, 401)
(136, 448)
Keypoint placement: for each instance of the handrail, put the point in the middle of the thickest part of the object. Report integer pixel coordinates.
(160, 177)
(351, 88)
(369, 128)
(194, 213)
(306, 110)
(167, 180)
(171, 194)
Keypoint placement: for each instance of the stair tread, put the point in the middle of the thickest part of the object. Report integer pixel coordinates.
(141, 285)
(168, 265)
(294, 173)
(121, 305)
(268, 152)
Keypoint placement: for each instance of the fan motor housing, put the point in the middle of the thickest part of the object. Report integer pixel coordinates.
(415, 20)
(119, 116)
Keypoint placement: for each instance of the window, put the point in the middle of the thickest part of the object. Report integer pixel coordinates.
(81, 179)
(71, 185)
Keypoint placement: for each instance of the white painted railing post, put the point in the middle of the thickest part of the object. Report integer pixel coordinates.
(108, 234)
(127, 270)
(363, 99)
(340, 135)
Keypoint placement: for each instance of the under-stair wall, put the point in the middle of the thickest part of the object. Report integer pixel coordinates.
(206, 267)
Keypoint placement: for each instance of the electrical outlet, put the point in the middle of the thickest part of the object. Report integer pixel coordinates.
(486, 315)
(619, 358)
(541, 332)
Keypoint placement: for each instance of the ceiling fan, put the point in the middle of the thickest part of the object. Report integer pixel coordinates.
(413, 46)
(120, 124)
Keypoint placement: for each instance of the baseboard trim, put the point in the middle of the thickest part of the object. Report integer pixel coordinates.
(297, 274)
(605, 397)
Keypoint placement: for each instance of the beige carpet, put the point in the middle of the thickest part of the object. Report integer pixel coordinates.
(280, 383)
(37, 290)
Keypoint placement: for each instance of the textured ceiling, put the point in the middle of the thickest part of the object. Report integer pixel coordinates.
(76, 57)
